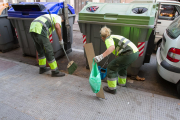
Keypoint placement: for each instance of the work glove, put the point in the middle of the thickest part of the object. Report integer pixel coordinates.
(98, 58)
(61, 43)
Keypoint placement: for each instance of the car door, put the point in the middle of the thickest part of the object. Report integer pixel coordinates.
(167, 13)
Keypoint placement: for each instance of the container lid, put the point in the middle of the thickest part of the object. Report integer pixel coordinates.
(119, 13)
(35, 9)
(28, 7)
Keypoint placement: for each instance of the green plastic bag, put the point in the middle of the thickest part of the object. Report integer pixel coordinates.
(95, 78)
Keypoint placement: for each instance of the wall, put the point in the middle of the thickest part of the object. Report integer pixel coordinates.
(95, 1)
(126, 1)
(79, 4)
(115, 1)
(112, 1)
(21, 1)
(71, 2)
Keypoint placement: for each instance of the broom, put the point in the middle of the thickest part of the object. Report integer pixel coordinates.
(71, 65)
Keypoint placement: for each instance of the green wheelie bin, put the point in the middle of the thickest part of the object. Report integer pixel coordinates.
(135, 21)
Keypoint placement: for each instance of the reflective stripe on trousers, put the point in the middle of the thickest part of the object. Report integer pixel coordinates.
(112, 83)
(42, 62)
(53, 65)
(121, 80)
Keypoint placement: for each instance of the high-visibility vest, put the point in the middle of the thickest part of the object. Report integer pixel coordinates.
(123, 46)
(44, 25)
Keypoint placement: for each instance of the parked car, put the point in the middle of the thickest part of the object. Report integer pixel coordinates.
(169, 10)
(168, 54)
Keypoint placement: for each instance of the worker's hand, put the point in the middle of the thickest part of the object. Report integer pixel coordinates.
(61, 43)
(98, 58)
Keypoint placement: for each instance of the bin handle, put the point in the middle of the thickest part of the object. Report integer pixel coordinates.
(110, 16)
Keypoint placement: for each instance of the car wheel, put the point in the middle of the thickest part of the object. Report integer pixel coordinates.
(178, 88)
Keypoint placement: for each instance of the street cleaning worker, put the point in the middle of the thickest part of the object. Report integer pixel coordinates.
(40, 30)
(126, 53)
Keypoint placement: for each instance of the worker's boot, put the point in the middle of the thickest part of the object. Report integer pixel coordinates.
(43, 70)
(105, 88)
(57, 74)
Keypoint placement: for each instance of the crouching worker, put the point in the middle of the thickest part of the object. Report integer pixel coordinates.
(40, 30)
(126, 53)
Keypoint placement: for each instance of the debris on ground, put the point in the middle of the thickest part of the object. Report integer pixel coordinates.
(137, 78)
(130, 81)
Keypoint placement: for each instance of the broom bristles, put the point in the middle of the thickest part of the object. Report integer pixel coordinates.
(71, 67)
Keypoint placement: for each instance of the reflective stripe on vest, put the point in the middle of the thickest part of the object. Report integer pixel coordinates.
(47, 29)
(51, 25)
(120, 43)
(125, 44)
(47, 20)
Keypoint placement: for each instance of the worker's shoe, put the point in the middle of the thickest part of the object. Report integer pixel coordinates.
(105, 88)
(43, 70)
(57, 74)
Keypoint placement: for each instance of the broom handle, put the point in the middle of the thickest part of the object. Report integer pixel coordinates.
(51, 20)
(66, 54)
(62, 47)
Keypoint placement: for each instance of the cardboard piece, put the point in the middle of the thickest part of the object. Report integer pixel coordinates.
(90, 55)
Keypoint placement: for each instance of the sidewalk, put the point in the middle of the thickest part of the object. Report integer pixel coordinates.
(75, 25)
(76, 19)
(27, 95)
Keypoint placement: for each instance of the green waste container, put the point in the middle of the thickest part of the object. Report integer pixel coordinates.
(131, 20)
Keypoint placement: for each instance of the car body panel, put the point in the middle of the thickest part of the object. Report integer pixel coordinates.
(166, 45)
(160, 29)
(164, 73)
(167, 69)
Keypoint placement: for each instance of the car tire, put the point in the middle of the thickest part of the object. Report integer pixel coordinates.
(178, 88)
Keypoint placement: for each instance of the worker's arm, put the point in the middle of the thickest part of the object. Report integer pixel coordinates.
(106, 53)
(58, 31)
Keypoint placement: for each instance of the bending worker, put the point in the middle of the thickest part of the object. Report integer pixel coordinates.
(40, 30)
(126, 53)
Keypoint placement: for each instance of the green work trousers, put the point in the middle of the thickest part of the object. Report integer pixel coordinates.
(45, 51)
(117, 68)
